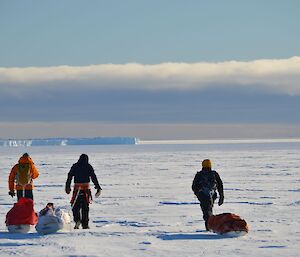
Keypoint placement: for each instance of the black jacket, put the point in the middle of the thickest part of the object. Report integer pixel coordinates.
(207, 181)
(82, 171)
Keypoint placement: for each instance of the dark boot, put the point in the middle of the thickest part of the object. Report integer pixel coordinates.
(85, 224)
(77, 224)
(206, 226)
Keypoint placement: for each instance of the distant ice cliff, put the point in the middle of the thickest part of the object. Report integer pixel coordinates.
(69, 141)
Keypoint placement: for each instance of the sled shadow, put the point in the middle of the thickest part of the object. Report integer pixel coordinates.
(196, 236)
(18, 236)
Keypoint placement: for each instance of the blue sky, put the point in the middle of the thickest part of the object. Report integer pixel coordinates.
(46, 33)
(133, 63)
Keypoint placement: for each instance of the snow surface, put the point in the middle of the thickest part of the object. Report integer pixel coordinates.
(147, 207)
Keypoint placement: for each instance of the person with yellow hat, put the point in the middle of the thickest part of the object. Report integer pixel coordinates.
(205, 184)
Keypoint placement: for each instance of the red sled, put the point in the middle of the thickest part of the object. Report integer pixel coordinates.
(228, 223)
(21, 216)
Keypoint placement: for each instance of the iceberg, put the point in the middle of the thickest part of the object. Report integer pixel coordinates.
(69, 141)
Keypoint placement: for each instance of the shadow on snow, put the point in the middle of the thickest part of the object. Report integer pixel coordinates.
(182, 236)
(7, 235)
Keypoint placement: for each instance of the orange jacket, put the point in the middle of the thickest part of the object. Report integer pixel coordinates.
(33, 173)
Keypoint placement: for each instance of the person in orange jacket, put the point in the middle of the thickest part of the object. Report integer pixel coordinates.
(21, 176)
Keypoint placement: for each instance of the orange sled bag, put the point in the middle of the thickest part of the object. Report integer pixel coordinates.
(227, 222)
(21, 216)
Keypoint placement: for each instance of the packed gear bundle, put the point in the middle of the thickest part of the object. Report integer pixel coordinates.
(51, 220)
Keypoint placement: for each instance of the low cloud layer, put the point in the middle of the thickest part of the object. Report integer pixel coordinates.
(263, 91)
(279, 76)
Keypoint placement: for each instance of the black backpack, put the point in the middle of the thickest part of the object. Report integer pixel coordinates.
(207, 182)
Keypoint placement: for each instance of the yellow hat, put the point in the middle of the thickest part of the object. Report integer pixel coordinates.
(206, 164)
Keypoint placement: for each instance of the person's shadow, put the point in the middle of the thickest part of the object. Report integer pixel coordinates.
(17, 237)
(200, 235)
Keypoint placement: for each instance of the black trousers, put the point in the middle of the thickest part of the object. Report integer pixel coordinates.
(206, 204)
(24, 193)
(81, 209)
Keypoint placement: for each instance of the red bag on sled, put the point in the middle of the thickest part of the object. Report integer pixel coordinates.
(22, 213)
(227, 222)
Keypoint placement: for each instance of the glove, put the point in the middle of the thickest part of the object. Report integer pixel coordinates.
(68, 190)
(12, 193)
(98, 193)
(221, 200)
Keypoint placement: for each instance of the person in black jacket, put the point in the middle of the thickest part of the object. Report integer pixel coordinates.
(82, 171)
(205, 184)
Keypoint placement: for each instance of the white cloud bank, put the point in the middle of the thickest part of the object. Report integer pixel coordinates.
(277, 75)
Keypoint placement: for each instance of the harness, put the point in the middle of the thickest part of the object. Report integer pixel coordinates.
(79, 189)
